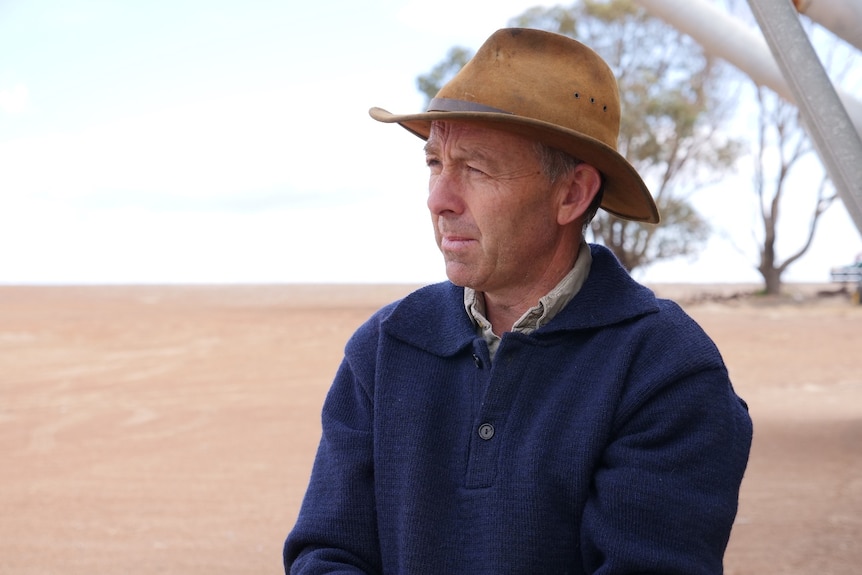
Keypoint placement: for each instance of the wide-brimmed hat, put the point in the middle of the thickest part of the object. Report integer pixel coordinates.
(550, 88)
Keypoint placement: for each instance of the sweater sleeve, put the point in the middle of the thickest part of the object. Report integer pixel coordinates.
(665, 494)
(336, 530)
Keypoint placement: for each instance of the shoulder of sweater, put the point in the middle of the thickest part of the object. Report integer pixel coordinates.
(432, 318)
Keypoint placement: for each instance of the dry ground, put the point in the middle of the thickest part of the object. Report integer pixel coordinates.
(171, 429)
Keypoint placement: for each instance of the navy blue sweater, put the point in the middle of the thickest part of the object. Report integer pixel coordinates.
(608, 441)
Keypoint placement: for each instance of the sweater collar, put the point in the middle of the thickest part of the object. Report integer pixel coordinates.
(433, 318)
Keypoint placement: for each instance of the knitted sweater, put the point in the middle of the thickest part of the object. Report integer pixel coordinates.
(608, 441)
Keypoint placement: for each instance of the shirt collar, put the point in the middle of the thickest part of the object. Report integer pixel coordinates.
(544, 311)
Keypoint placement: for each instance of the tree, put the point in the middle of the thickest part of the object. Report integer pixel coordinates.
(781, 145)
(671, 114)
(783, 155)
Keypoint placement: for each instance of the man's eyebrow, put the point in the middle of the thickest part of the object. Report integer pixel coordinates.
(431, 147)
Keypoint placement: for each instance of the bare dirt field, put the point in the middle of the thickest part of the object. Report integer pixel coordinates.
(154, 429)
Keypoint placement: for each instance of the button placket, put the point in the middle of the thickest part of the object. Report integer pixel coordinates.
(490, 401)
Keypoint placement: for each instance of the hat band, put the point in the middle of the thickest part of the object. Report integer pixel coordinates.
(450, 105)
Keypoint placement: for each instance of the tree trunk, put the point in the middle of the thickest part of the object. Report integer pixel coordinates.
(771, 280)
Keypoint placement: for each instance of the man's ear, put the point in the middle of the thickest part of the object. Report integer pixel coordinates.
(579, 189)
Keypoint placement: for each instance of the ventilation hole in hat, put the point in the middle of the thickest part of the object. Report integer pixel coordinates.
(577, 95)
(592, 100)
(604, 108)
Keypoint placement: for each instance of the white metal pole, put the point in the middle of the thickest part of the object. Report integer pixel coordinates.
(838, 144)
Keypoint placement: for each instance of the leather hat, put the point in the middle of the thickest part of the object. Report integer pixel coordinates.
(550, 88)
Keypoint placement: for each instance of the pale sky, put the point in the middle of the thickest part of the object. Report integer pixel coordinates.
(176, 141)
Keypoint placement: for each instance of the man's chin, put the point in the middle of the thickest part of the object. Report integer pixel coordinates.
(459, 275)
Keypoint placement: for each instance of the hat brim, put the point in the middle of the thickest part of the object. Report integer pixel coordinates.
(625, 194)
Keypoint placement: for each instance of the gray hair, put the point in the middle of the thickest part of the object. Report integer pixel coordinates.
(556, 164)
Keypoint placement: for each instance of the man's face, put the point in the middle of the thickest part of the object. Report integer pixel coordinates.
(494, 210)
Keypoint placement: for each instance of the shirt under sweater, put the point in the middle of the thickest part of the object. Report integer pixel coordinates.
(538, 315)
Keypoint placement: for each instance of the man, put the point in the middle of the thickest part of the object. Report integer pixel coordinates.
(541, 412)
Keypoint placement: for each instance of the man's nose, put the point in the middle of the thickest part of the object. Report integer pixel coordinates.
(445, 192)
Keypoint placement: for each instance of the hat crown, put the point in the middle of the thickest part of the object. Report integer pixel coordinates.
(547, 77)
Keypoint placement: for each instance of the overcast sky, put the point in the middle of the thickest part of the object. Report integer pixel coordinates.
(215, 141)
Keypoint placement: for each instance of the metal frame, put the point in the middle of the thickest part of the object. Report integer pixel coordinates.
(826, 119)
(833, 119)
